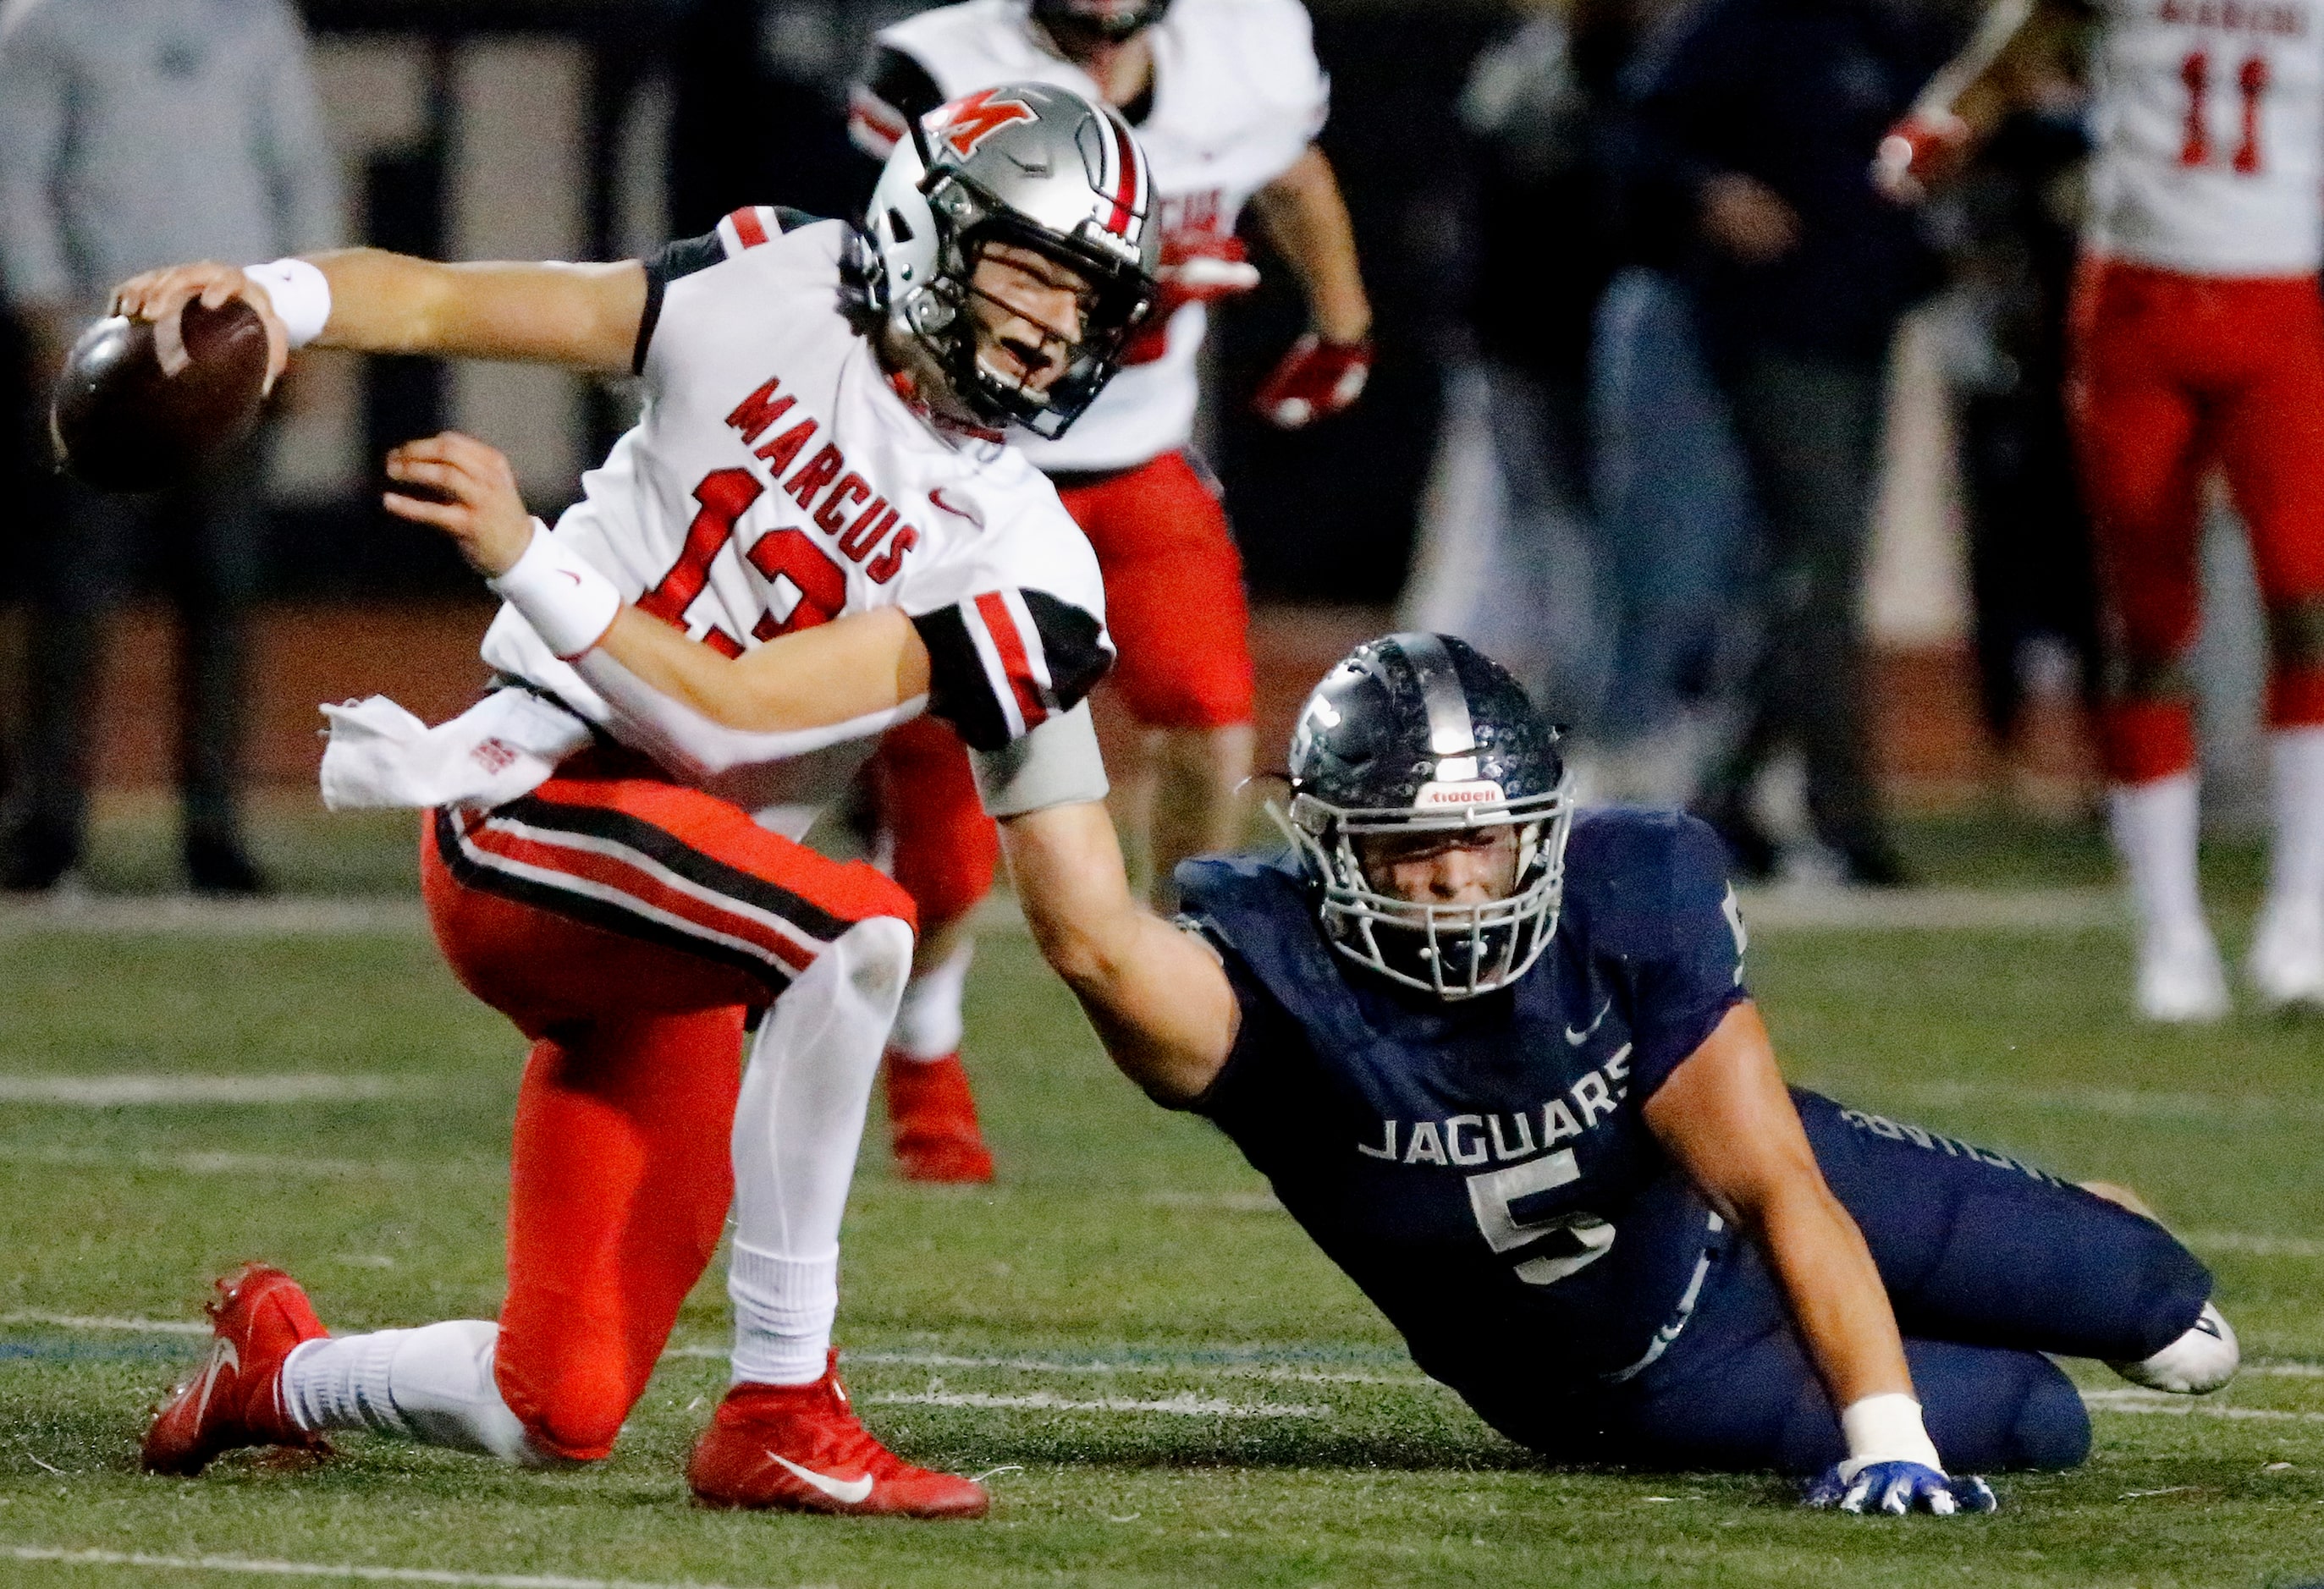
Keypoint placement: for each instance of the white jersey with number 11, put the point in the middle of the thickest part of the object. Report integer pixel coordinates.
(2209, 128)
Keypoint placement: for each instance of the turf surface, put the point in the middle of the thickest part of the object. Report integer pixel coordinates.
(1176, 1390)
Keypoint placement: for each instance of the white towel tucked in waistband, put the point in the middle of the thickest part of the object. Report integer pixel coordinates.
(380, 756)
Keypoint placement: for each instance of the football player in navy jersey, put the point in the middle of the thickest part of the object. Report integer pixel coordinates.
(1497, 1058)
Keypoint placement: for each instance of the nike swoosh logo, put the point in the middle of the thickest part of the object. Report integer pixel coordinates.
(846, 1491)
(1576, 1039)
(223, 1357)
(570, 574)
(937, 497)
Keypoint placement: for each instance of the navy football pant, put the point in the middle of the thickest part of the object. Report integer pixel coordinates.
(1989, 1263)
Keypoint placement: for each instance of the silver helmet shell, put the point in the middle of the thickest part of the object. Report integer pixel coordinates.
(1419, 734)
(1028, 164)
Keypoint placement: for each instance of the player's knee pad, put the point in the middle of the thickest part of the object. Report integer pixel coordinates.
(875, 957)
(572, 1414)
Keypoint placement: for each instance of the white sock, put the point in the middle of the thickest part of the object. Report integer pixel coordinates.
(2296, 866)
(928, 1022)
(798, 1125)
(2155, 826)
(433, 1385)
(783, 1309)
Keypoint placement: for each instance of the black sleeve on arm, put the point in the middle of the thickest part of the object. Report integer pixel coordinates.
(676, 259)
(994, 677)
(903, 85)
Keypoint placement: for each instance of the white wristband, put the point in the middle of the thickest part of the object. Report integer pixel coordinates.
(1885, 1428)
(301, 294)
(570, 604)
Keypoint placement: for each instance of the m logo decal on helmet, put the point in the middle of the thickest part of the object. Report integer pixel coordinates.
(969, 121)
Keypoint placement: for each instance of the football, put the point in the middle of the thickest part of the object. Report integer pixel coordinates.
(141, 404)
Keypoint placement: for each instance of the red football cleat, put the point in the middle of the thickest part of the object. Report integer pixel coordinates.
(801, 1448)
(235, 1400)
(932, 1121)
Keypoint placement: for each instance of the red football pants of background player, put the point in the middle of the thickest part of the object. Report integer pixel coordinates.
(627, 926)
(1175, 605)
(2173, 375)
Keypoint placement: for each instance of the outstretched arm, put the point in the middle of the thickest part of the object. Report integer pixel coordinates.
(1970, 94)
(582, 316)
(1156, 994)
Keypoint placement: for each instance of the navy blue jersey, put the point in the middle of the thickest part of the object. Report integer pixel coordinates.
(1480, 1168)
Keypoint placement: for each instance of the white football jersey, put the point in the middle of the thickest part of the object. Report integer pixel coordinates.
(777, 479)
(1237, 98)
(2209, 126)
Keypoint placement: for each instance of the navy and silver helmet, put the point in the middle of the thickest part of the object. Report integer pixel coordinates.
(1418, 733)
(1039, 166)
(1110, 21)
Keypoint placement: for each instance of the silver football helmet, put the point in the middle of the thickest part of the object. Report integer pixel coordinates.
(1038, 167)
(1419, 739)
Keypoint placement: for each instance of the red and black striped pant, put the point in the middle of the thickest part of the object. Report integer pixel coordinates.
(628, 926)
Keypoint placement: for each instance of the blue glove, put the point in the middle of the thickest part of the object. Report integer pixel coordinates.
(1899, 1487)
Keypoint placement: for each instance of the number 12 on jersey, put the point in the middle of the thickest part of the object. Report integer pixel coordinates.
(2251, 86)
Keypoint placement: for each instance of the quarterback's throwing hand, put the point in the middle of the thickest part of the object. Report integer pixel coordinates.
(1897, 1488)
(155, 294)
(466, 490)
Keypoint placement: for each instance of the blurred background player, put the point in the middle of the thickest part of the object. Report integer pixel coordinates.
(2198, 343)
(1227, 98)
(133, 133)
(1749, 119)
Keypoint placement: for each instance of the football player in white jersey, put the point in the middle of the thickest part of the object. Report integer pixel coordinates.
(1227, 98)
(2198, 343)
(813, 533)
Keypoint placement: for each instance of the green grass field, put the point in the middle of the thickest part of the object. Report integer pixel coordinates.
(1174, 1388)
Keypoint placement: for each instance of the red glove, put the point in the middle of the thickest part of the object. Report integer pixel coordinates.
(1202, 267)
(1316, 379)
(1197, 267)
(1919, 151)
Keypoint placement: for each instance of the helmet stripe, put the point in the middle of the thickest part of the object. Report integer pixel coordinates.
(1450, 730)
(1127, 191)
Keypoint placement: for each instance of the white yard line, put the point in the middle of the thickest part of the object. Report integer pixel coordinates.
(248, 1165)
(1956, 910)
(128, 1087)
(2260, 1246)
(1187, 1405)
(353, 1572)
(144, 1327)
(183, 916)
(2157, 1403)
(2118, 1103)
(1258, 1371)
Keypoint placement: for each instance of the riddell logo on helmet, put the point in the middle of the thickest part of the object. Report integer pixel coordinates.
(1475, 792)
(966, 123)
